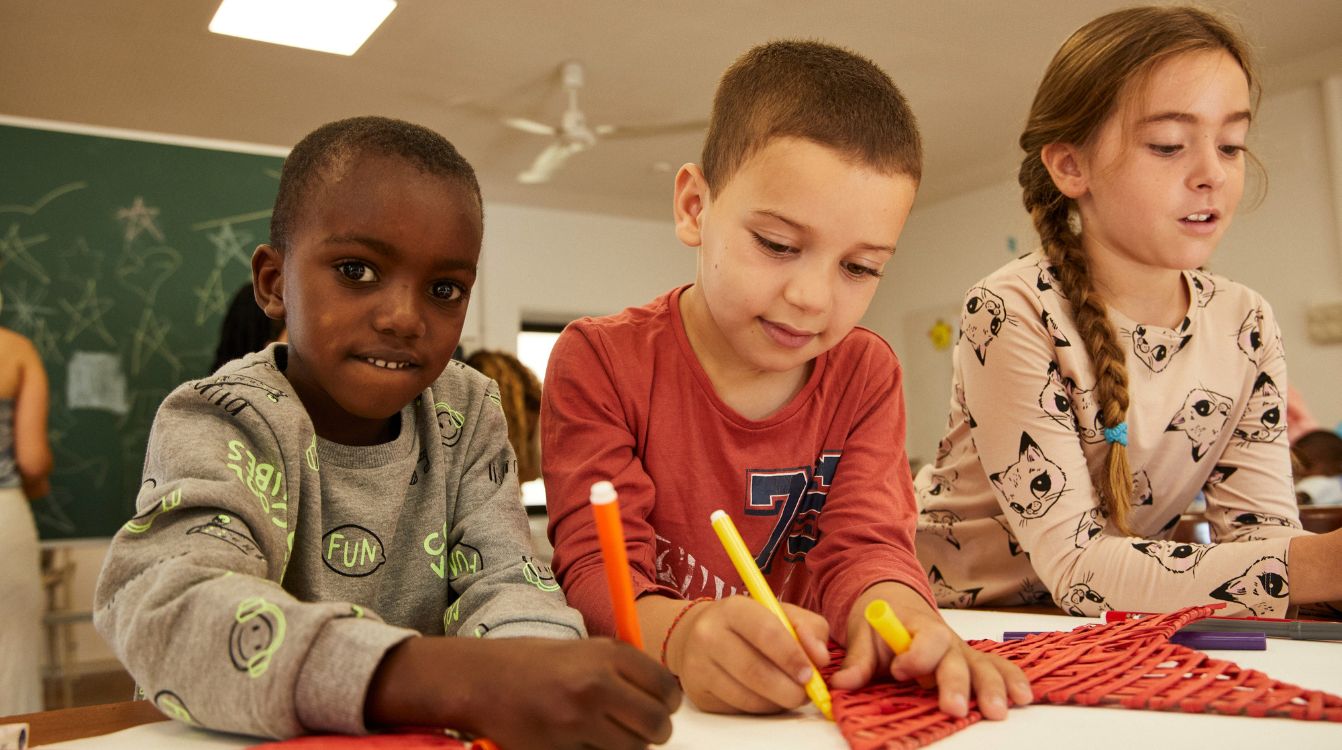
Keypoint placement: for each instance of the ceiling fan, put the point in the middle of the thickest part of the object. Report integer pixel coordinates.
(573, 134)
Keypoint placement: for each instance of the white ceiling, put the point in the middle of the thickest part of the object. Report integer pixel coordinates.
(968, 68)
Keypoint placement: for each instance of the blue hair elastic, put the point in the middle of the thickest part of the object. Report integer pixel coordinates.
(1117, 434)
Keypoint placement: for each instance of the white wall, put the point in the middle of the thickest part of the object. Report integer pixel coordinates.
(552, 266)
(1286, 248)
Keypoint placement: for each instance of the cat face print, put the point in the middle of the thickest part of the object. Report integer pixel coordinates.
(1261, 588)
(1013, 546)
(940, 523)
(940, 483)
(1087, 411)
(1033, 484)
(1201, 419)
(1087, 528)
(949, 596)
(1265, 417)
(943, 449)
(1176, 557)
(1141, 489)
(982, 319)
(1051, 326)
(964, 405)
(1155, 348)
(1251, 336)
(1219, 474)
(1261, 519)
(1082, 601)
(1056, 398)
(1204, 288)
(1047, 279)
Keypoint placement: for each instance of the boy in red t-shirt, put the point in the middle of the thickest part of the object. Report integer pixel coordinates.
(752, 390)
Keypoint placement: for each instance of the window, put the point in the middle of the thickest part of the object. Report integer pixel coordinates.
(534, 343)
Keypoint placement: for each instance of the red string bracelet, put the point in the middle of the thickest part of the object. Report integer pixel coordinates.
(666, 640)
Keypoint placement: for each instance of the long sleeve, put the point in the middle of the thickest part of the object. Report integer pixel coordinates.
(190, 596)
(502, 590)
(819, 490)
(1028, 398)
(586, 438)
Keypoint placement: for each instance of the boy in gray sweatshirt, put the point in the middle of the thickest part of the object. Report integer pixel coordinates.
(309, 510)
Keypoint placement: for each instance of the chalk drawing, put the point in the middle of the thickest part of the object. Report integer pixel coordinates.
(14, 249)
(25, 305)
(144, 271)
(94, 380)
(88, 314)
(79, 262)
(47, 343)
(149, 340)
(230, 245)
(137, 219)
(238, 219)
(210, 298)
(44, 200)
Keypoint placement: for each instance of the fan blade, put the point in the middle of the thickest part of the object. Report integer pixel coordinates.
(641, 131)
(547, 163)
(530, 126)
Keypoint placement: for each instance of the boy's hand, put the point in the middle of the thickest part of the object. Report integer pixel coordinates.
(734, 656)
(527, 692)
(936, 650)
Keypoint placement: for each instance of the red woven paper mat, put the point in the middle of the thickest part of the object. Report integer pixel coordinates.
(1129, 664)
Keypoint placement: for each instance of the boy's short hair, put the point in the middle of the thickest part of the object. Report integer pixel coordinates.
(815, 91)
(336, 144)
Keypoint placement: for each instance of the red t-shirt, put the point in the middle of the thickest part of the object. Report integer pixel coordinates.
(820, 490)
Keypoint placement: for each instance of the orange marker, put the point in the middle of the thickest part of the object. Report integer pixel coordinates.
(610, 532)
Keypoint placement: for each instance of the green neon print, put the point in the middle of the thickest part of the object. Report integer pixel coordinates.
(442, 407)
(451, 615)
(357, 610)
(435, 545)
(258, 632)
(542, 580)
(263, 480)
(311, 454)
(165, 504)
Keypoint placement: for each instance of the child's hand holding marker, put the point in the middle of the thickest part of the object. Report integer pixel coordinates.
(934, 650)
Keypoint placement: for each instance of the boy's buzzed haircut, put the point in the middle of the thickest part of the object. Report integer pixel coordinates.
(814, 91)
(336, 144)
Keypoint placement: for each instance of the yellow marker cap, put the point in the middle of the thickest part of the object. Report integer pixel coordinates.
(891, 630)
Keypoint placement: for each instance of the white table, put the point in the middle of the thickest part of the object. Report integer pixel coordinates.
(1311, 665)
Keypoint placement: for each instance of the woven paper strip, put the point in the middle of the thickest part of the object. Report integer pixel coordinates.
(1128, 664)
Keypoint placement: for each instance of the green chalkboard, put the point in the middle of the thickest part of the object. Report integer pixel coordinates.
(118, 258)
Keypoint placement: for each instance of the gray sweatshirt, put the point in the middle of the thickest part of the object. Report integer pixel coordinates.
(267, 571)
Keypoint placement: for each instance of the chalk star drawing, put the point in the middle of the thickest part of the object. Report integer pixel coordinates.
(139, 218)
(231, 246)
(150, 340)
(211, 299)
(88, 315)
(145, 272)
(14, 248)
(143, 405)
(46, 343)
(43, 201)
(26, 306)
(79, 262)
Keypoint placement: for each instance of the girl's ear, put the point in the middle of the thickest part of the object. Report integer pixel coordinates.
(268, 281)
(1066, 165)
(688, 203)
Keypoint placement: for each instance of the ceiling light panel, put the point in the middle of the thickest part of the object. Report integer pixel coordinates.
(336, 26)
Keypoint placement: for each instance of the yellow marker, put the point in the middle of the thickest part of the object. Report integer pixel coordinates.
(760, 592)
(891, 630)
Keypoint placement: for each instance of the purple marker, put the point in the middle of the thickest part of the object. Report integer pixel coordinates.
(1202, 641)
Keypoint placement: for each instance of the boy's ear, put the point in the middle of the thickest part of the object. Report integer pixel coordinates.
(268, 280)
(690, 198)
(1066, 165)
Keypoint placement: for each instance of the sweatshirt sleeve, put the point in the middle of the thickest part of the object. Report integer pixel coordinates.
(189, 596)
(586, 437)
(1250, 494)
(501, 589)
(870, 514)
(1042, 483)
